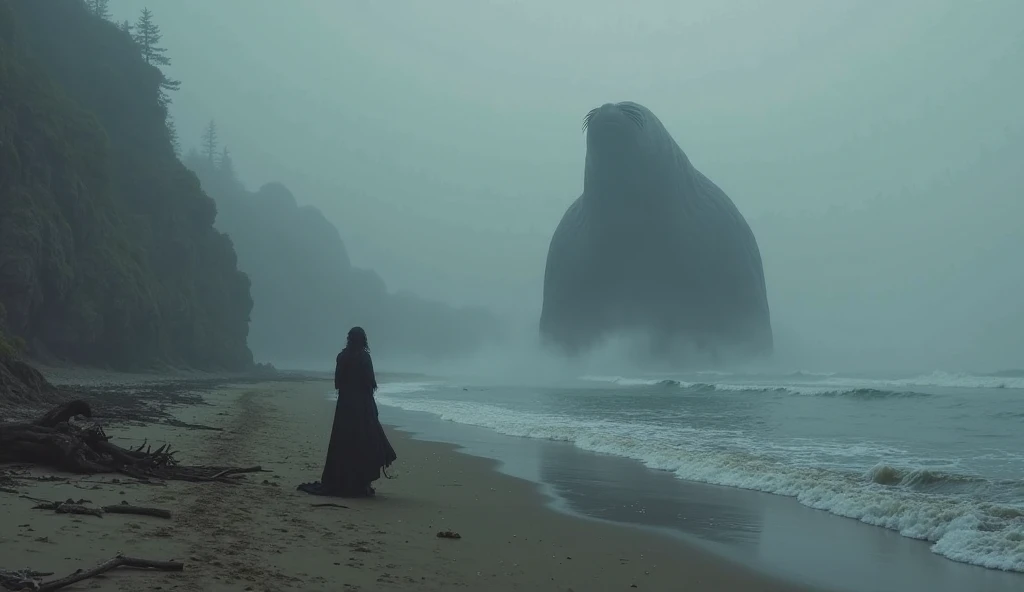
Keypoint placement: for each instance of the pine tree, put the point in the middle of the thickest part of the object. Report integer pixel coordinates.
(100, 8)
(126, 27)
(172, 133)
(147, 35)
(226, 165)
(210, 142)
(167, 84)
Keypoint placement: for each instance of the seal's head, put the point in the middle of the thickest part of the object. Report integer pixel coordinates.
(615, 124)
(626, 146)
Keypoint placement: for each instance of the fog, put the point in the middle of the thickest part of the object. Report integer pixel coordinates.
(874, 150)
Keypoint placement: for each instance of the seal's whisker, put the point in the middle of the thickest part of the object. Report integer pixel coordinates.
(633, 113)
(586, 118)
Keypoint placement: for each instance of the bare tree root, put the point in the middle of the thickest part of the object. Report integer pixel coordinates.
(56, 440)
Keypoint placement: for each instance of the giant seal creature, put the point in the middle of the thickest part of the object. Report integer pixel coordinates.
(652, 247)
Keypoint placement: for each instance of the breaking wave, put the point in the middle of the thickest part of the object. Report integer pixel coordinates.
(967, 518)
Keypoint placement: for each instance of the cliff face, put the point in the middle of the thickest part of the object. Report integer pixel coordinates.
(307, 292)
(108, 251)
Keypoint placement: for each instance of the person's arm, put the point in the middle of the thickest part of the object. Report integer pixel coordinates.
(337, 372)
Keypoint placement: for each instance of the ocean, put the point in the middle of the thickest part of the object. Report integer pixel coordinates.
(938, 457)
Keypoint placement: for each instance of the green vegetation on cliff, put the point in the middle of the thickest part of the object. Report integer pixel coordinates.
(108, 252)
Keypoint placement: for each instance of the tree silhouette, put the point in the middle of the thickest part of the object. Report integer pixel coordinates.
(100, 8)
(172, 134)
(166, 85)
(126, 27)
(210, 142)
(147, 35)
(226, 165)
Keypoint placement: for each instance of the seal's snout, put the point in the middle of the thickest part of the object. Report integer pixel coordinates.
(612, 118)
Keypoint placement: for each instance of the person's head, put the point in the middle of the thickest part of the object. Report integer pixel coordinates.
(357, 339)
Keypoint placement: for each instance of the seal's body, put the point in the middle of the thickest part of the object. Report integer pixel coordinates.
(652, 246)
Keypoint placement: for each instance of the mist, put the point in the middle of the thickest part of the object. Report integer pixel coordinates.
(875, 153)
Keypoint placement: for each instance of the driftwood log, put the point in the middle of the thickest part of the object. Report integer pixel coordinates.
(56, 440)
(29, 580)
(78, 507)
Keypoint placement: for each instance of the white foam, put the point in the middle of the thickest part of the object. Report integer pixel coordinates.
(966, 530)
(805, 388)
(400, 388)
(830, 384)
(945, 379)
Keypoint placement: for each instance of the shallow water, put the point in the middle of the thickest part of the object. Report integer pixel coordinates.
(937, 457)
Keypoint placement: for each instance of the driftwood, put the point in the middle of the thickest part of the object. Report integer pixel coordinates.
(29, 580)
(25, 579)
(125, 508)
(78, 507)
(56, 440)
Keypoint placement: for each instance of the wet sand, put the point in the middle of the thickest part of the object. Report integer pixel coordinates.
(769, 533)
(264, 535)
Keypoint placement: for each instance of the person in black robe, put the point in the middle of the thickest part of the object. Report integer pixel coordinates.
(359, 449)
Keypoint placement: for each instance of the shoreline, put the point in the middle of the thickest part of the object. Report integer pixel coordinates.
(261, 534)
(770, 534)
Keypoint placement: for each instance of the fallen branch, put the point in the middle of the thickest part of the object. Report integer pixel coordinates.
(190, 426)
(115, 481)
(226, 472)
(66, 507)
(125, 508)
(119, 561)
(78, 507)
(22, 579)
(63, 413)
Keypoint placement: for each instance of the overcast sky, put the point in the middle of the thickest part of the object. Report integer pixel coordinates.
(874, 147)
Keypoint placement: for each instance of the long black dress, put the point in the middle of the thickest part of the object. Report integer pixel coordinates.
(359, 448)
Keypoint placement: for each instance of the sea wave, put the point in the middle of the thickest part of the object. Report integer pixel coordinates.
(399, 388)
(928, 504)
(831, 384)
(823, 390)
(945, 380)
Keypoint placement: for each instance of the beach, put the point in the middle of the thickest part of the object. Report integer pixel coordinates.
(261, 534)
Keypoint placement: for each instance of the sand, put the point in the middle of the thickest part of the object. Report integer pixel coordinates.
(264, 535)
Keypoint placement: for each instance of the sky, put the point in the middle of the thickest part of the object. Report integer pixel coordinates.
(873, 147)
